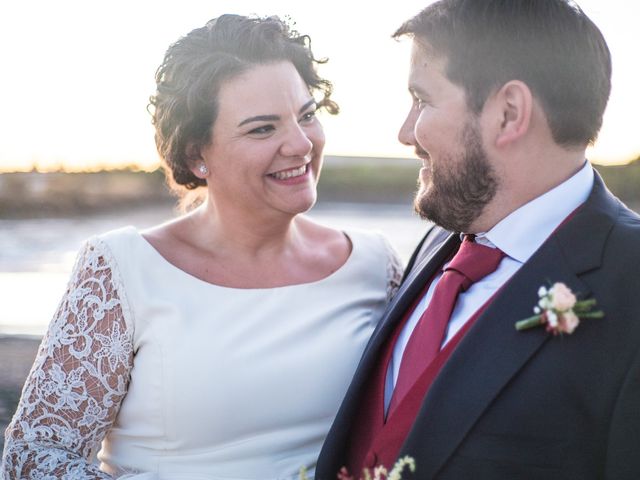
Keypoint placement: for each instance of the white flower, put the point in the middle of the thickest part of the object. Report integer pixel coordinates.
(545, 303)
(379, 472)
(400, 465)
(116, 347)
(64, 387)
(76, 297)
(52, 460)
(77, 472)
(93, 413)
(29, 433)
(552, 318)
(542, 292)
(68, 437)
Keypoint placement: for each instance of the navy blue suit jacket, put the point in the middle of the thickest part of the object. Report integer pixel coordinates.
(528, 405)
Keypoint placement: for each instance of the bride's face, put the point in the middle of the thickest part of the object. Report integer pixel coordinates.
(266, 148)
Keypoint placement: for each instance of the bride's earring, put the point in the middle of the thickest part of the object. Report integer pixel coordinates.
(203, 169)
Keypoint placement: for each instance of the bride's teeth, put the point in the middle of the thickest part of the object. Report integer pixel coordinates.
(290, 173)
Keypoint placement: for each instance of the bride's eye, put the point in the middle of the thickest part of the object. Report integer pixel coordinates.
(309, 116)
(264, 129)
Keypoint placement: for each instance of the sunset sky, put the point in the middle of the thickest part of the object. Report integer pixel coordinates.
(76, 75)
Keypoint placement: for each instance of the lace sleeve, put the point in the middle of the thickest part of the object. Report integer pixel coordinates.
(80, 375)
(395, 269)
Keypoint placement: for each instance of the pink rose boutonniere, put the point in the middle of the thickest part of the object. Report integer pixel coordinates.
(560, 310)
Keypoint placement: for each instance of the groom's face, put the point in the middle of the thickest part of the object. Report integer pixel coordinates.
(457, 180)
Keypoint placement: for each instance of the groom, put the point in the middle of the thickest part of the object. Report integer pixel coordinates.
(506, 97)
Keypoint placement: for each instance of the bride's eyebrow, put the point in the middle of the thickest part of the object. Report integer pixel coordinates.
(273, 118)
(307, 105)
(260, 118)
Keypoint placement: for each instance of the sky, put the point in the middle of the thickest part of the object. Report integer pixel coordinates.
(77, 75)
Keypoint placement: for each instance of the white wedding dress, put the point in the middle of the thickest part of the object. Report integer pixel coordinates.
(165, 376)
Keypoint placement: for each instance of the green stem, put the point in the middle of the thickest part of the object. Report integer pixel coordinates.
(529, 322)
(598, 314)
(584, 305)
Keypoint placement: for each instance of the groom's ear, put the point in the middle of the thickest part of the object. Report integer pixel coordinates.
(511, 112)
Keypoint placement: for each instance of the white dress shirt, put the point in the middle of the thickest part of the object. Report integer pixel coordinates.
(518, 235)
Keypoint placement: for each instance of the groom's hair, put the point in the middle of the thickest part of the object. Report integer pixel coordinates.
(551, 45)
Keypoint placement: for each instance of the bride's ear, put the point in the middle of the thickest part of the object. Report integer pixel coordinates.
(196, 162)
(512, 110)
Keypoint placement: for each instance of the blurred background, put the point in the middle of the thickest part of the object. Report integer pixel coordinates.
(76, 145)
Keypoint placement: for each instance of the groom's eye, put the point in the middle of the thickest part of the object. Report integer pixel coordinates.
(419, 103)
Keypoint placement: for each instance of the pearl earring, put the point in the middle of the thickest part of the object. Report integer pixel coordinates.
(203, 169)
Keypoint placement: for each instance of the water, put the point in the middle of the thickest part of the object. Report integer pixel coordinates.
(36, 255)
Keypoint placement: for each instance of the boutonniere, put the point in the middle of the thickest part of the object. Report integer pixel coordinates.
(380, 472)
(560, 310)
(376, 473)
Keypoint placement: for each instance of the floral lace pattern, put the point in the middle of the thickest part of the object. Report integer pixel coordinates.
(395, 271)
(79, 378)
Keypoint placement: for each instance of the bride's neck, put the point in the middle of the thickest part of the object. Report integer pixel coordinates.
(251, 235)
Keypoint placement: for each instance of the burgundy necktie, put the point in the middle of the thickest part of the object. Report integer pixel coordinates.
(471, 263)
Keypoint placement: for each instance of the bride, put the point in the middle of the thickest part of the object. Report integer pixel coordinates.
(220, 344)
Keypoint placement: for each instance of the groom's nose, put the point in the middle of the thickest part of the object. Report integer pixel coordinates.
(406, 135)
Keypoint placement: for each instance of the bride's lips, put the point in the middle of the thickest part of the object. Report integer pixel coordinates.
(291, 176)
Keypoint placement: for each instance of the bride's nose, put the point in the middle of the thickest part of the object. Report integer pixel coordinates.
(296, 143)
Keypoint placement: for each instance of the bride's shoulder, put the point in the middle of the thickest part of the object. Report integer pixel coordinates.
(324, 238)
(129, 242)
(364, 242)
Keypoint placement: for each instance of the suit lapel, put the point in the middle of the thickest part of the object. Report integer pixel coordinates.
(440, 246)
(493, 352)
(489, 355)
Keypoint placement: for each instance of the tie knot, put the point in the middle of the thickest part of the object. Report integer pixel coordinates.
(474, 261)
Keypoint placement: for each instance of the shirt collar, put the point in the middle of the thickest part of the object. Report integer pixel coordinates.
(524, 230)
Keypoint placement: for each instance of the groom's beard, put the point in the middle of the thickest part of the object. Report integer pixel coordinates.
(459, 186)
